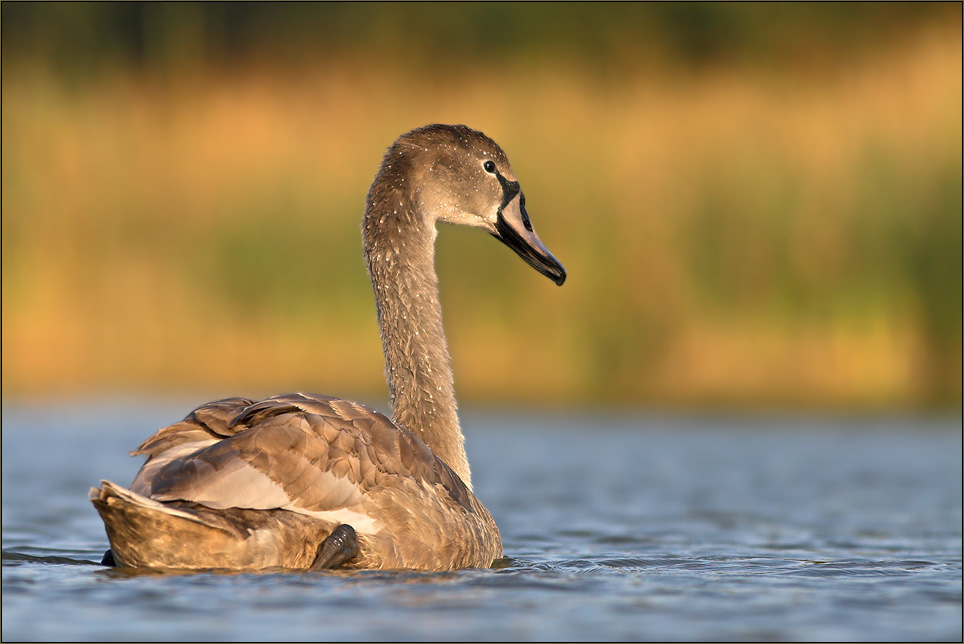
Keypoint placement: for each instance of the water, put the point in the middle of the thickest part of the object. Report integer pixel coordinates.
(616, 528)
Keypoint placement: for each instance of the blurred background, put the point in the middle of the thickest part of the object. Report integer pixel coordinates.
(759, 205)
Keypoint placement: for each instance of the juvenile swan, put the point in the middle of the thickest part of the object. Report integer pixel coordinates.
(303, 481)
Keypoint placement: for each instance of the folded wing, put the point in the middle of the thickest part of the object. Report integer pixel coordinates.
(310, 454)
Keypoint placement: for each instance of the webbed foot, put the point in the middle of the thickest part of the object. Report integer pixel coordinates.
(339, 548)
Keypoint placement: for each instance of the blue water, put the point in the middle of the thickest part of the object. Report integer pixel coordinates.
(630, 527)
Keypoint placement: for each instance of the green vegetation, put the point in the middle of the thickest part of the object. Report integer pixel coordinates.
(757, 204)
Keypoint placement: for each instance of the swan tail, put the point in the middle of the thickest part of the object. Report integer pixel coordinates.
(145, 533)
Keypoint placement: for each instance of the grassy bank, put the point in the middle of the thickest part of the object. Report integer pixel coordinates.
(733, 235)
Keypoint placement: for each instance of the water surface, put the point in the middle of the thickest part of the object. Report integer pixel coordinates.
(625, 527)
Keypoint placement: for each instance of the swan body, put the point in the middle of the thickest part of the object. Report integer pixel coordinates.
(303, 481)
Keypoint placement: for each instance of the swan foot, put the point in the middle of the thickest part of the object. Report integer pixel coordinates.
(339, 548)
(108, 559)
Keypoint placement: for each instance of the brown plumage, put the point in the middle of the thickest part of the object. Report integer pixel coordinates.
(306, 481)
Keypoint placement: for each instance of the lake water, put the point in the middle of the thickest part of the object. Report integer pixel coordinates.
(631, 527)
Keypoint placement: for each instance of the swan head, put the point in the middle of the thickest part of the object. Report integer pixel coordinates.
(463, 177)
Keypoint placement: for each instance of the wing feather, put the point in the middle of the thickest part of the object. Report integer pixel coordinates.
(306, 453)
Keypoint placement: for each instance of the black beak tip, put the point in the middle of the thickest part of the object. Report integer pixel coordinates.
(560, 278)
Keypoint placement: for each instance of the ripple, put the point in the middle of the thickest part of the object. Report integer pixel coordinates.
(714, 534)
(20, 557)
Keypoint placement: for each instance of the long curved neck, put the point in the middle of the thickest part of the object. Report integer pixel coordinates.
(400, 253)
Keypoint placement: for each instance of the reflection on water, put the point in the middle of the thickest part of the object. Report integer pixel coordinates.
(614, 528)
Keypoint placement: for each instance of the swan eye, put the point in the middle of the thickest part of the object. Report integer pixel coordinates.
(489, 166)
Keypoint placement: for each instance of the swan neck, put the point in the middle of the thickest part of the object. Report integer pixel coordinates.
(400, 254)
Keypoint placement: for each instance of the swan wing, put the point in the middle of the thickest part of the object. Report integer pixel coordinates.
(311, 454)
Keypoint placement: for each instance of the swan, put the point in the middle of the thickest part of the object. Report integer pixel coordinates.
(303, 481)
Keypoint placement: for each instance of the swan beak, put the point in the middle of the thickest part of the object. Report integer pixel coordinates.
(513, 228)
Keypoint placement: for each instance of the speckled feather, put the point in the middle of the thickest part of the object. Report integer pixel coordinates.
(250, 485)
(317, 456)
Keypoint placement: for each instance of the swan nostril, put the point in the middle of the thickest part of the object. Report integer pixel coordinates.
(525, 215)
(526, 222)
